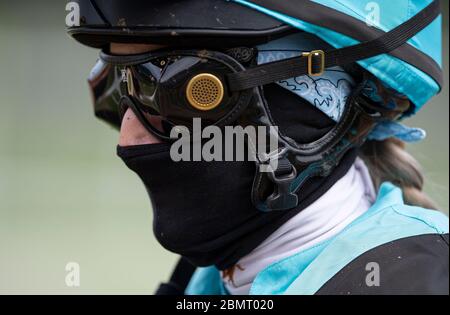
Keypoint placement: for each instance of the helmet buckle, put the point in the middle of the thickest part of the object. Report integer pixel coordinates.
(316, 62)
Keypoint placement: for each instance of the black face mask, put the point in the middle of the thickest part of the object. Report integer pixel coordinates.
(203, 210)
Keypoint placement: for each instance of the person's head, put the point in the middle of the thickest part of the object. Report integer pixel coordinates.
(388, 160)
(164, 63)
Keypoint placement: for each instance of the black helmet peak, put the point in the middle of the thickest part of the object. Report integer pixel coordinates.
(175, 22)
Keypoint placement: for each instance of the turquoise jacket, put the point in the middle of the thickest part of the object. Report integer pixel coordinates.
(304, 273)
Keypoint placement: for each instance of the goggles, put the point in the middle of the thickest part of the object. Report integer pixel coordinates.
(168, 89)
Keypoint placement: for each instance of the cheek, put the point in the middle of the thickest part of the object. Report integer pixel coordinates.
(133, 133)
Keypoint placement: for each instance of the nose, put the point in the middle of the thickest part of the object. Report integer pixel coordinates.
(132, 132)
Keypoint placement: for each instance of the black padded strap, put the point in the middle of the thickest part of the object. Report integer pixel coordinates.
(179, 280)
(298, 66)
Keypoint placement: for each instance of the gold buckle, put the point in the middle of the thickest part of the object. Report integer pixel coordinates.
(310, 55)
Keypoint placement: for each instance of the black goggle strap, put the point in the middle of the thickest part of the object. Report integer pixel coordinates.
(314, 63)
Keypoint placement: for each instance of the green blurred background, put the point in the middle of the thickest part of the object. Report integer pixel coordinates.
(65, 196)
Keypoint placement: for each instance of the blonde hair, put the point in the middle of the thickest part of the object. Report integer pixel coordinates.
(388, 160)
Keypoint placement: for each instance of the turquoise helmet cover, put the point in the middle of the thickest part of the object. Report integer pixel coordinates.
(414, 69)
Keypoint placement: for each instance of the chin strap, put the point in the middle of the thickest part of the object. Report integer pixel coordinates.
(298, 163)
(315, 62)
